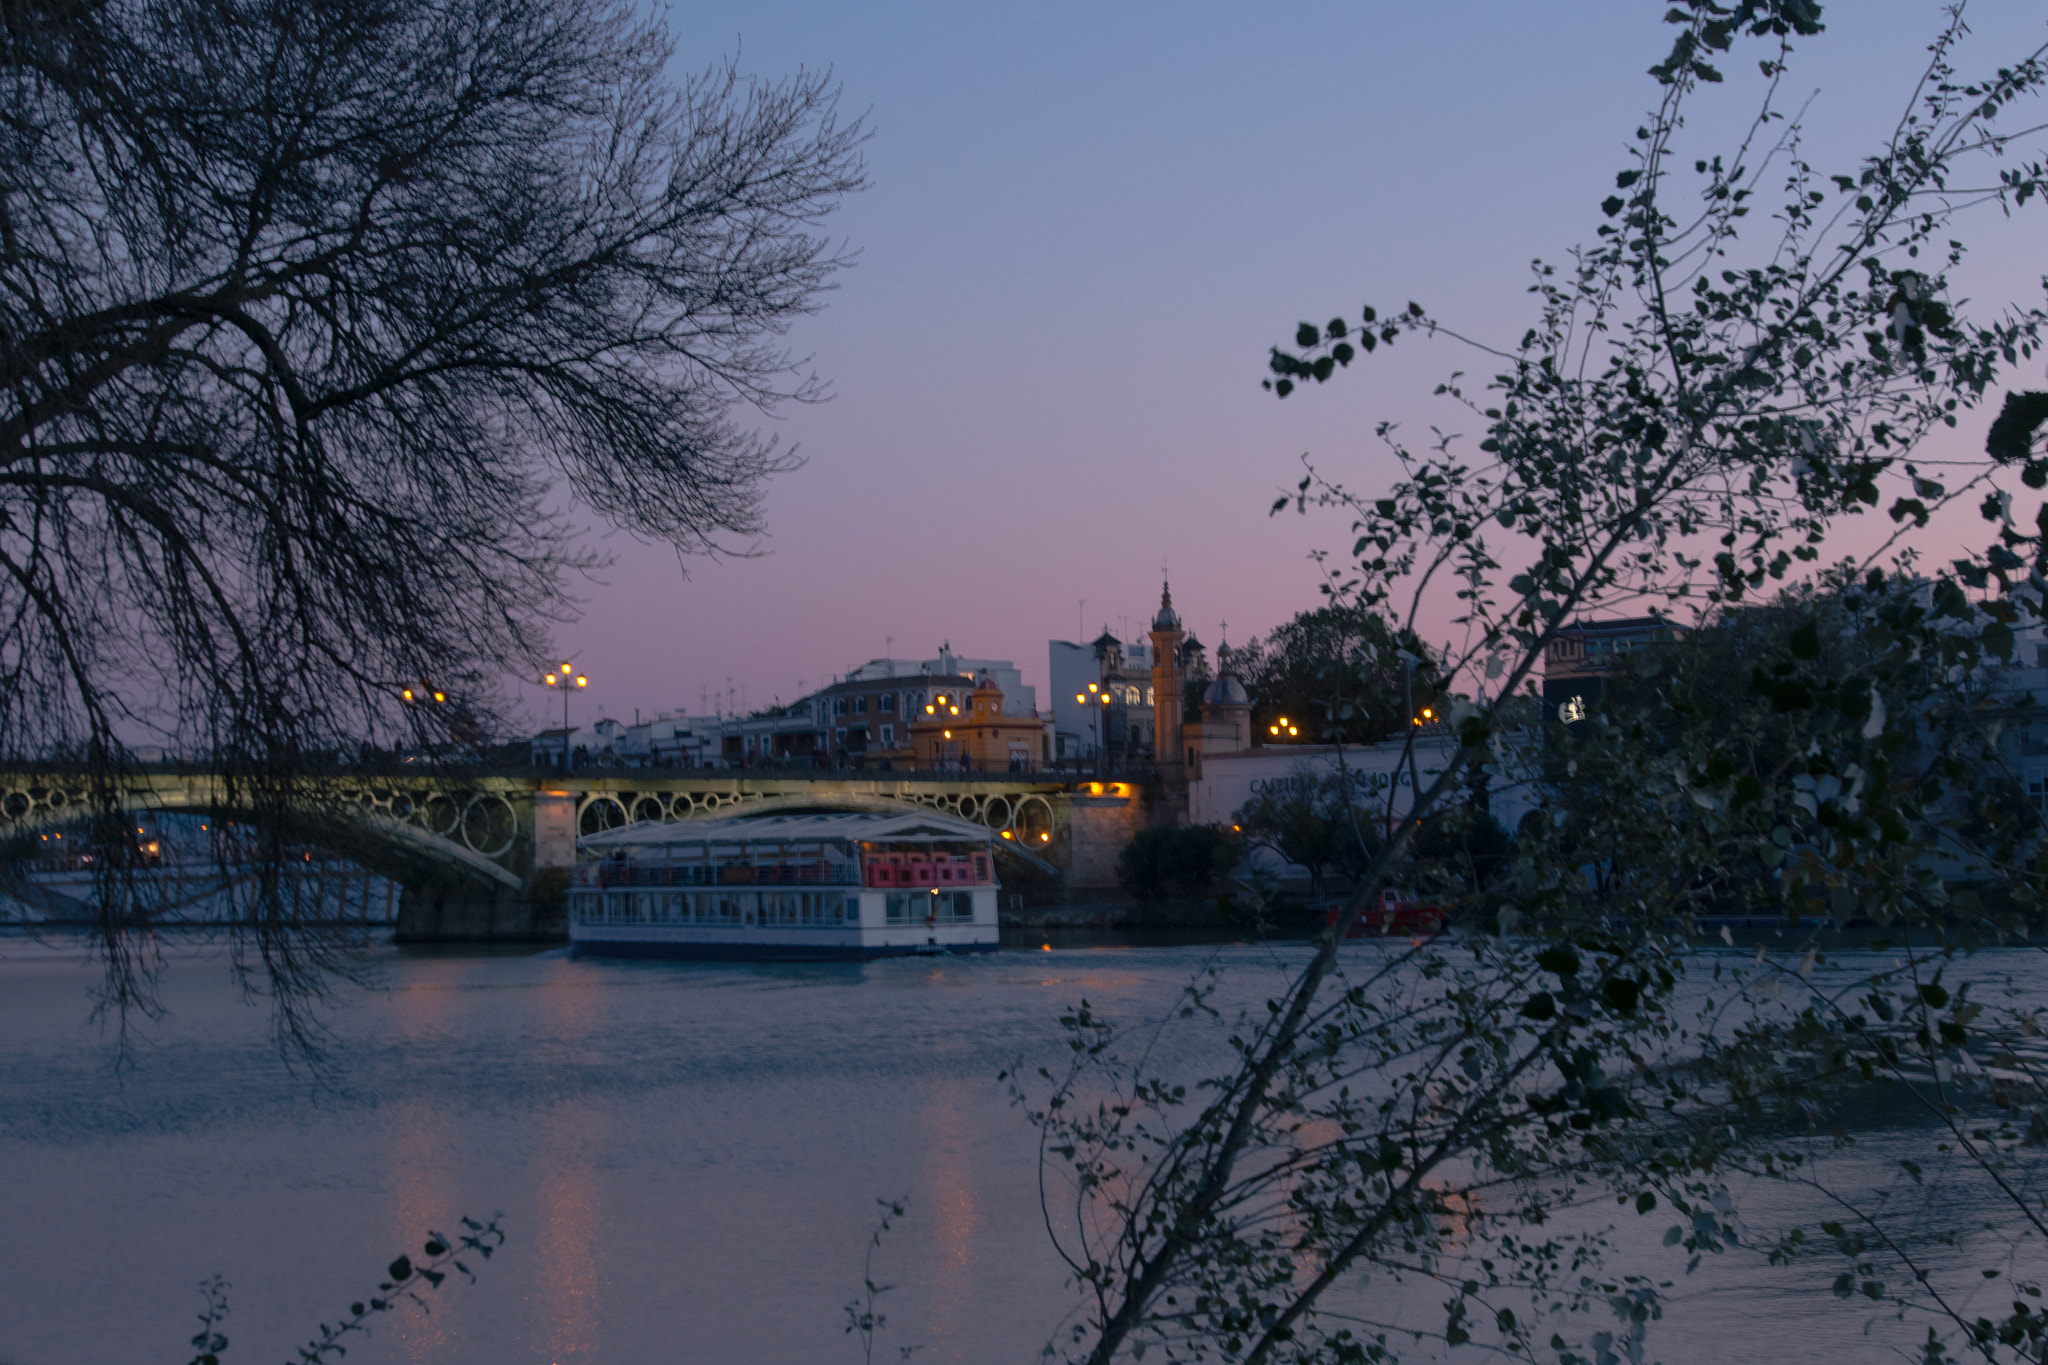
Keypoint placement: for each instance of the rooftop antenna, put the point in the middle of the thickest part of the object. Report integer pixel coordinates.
(1080, 619)
(888, 652)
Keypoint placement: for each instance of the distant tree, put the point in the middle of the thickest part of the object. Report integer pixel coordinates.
(1460, 852)
(1340, 673)
(313, 314)
(1320, 822)
(1174, 864)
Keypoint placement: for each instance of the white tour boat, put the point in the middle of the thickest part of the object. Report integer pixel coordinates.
(792, 885)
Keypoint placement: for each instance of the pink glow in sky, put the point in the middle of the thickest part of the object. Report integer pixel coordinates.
(1086, 225)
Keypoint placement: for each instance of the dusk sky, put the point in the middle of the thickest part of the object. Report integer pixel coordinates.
(1086, 225)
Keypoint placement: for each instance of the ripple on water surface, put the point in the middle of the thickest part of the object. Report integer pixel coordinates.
(687, 1158)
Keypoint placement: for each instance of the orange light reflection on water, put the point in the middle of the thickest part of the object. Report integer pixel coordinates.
(569, 1317)
(955, 1214)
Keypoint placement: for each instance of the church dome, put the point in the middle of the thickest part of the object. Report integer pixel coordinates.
(1226, 691)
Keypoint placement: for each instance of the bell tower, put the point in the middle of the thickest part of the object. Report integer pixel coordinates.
(1168, 710)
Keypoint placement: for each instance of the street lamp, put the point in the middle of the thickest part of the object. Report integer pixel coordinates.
(1095, 719)
(568, 680)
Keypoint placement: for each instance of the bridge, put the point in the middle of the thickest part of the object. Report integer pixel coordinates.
(483, 857)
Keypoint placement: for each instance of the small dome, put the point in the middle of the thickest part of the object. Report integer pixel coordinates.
(1226, 691)
(985, 683)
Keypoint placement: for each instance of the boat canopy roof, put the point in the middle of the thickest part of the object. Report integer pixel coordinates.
(789, 827)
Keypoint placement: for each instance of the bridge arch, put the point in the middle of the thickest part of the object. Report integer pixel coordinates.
(1025, 813)
(385, 832)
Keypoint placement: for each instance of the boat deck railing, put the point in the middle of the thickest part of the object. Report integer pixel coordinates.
(827, 873)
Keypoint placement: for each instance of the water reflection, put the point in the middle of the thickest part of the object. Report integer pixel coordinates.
(568, 1174)
(949, 1123)
(688, 1157)
(421, 1194)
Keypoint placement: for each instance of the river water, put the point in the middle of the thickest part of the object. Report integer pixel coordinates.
(687, 1160)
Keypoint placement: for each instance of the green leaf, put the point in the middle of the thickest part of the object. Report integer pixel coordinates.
(1645, 1202)
(1613, 204)
(1307, 335)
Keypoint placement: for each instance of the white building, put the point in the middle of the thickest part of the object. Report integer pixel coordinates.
(1383, 775)
(1019, 697)
(671, 739)
(576, 745)
(1076, 727)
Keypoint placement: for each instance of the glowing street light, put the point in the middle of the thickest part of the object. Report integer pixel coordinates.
(566, 680)
(422, 693)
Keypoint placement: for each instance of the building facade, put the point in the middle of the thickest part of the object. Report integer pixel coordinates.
(1576, 661)
(971, 732)
(864, 721)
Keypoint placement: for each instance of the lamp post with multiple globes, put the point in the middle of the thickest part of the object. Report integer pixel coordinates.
(568, 680)
(1095, 695)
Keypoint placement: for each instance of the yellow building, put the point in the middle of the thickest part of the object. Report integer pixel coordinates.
(971, 733)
